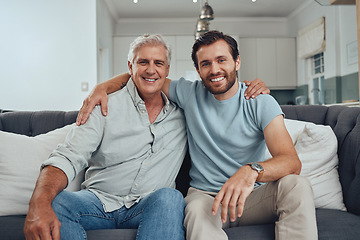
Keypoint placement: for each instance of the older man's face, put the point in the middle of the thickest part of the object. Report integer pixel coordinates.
(149, 70)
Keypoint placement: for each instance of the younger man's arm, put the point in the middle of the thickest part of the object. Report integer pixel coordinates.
(98, 96)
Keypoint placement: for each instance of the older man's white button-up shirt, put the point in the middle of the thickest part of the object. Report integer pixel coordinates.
(126, 157)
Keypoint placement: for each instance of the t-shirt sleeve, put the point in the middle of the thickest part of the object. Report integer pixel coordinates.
(267, 108)
(180, 91)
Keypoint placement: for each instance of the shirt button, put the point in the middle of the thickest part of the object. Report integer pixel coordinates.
(143, 111)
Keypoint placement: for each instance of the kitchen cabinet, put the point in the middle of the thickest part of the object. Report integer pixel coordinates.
(273, 60)
(182, 59)
(120, 55)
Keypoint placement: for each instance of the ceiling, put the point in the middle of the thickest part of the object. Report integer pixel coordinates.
(123, 9)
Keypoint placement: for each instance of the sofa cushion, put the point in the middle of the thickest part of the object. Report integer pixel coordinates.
(317, 149)
(35, 122)
(20, 160)
(12, 227)
(347, 131)
(336, 224)
(253, 232)
(316, 146)
(109, 234)
(332, 224)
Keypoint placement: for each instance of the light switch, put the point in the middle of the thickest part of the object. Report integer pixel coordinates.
(84, 86)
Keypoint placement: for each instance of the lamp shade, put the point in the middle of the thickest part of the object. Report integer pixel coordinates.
(207, 12)
(202, 25)
(198, 35)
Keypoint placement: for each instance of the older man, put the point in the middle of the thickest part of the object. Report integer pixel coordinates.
(132, 158)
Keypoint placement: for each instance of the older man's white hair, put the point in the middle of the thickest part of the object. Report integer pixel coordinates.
(148, 39)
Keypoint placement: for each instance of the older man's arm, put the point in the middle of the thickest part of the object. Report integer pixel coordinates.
(41, 221)
(255, 88)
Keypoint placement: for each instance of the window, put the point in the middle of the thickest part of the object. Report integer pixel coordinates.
(318, 76)
(318, 63)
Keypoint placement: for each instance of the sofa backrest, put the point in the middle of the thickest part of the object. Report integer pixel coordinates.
(345, 122)
(35, 123)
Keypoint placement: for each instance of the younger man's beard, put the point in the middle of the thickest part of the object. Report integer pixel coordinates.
(230, 81)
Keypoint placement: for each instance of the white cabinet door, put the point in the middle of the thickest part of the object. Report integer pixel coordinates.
(286, 62)
(266, 61)
(186, 69)
(171, 41)
(184, 64)
(248, 56)
(121, 50)
(273, 60)
(184, 47)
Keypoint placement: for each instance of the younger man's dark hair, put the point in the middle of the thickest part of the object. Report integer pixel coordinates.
(211, 37)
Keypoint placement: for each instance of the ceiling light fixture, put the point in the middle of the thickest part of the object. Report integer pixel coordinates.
(135, 1)
(207, 12)
(202, 24)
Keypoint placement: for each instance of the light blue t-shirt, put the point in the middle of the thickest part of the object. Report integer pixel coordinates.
(223, 135)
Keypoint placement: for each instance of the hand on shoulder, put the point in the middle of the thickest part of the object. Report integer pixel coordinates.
(255, 88)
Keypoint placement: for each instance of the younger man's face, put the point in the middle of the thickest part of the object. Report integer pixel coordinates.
(217, 68)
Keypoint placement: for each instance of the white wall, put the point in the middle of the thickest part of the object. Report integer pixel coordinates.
(48, 48)
(180, 35)
(348, 31)
(252, 27)
(105, 31)
(340, 29)
(308, 15)
(243, 27)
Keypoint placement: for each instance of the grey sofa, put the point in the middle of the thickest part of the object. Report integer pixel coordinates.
(332, 224)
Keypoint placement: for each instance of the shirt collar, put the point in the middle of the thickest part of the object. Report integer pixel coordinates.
(138, 100)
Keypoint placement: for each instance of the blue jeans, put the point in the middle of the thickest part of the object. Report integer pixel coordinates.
(160, 215)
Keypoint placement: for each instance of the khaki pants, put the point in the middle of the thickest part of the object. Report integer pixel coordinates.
(288, 202)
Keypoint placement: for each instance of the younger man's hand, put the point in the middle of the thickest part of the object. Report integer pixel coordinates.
(96, 97)
(233, 194)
